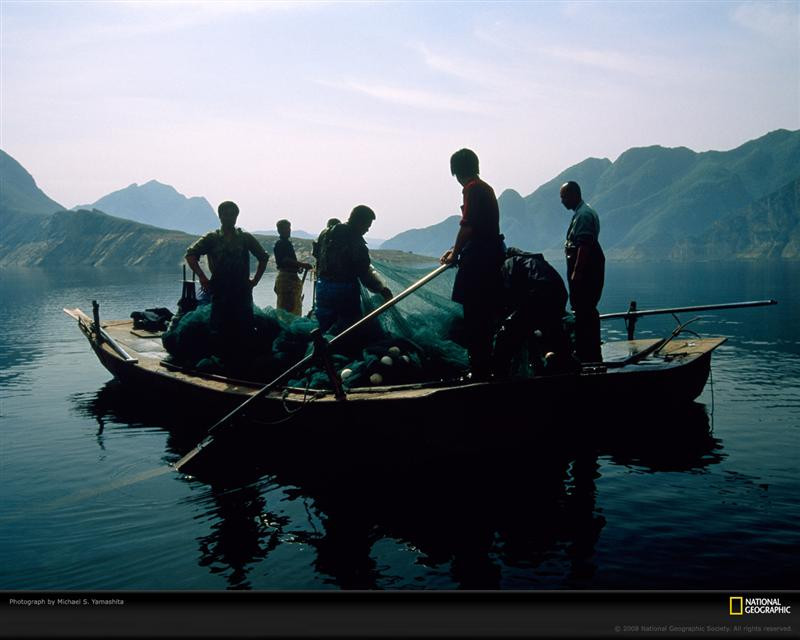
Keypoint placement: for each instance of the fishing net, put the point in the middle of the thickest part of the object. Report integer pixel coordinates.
(420, 339)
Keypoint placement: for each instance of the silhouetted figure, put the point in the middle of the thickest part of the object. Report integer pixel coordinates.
(534, 301)
(288, 286)
(332, 222)
(238, 539)
(231, 288)
(479, 251)
(585, 272)
(315, 245)
(343, 262)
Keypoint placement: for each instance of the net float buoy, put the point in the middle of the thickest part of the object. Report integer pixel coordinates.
(376, 378)
(387, 361)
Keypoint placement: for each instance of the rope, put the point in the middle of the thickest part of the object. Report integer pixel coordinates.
(711, 382)
(676, 332)
(291, 413)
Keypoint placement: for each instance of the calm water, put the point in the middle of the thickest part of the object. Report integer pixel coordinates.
(701, 497)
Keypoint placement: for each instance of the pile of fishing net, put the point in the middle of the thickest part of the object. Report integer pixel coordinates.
(420, 339)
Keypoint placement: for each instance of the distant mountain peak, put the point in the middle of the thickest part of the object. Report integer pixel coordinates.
(19, 191)
(159, 204)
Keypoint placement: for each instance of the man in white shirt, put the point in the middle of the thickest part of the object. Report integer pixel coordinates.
(585, 272)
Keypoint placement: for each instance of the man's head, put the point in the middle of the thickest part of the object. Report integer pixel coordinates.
(333, 222)
(284, 228)
(361, 218)
(464, 165)
(228, 212)
(570, 195)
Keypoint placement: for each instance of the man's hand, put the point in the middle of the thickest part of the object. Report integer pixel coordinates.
(306, 266)
(448, 257)
(387, 294)
(205, 283)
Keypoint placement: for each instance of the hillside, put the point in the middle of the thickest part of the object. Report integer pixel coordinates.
(93, 238)
(89, 238)
(159, 205)
(18, 190)
(767, 228)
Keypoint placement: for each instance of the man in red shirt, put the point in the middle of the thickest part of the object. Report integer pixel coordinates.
(479, 251)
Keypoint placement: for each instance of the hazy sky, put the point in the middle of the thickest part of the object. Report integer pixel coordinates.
(303, 110)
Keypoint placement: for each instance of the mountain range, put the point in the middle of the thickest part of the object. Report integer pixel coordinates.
(37, 231)
(658, 203)
(160, 205)
(654, 203)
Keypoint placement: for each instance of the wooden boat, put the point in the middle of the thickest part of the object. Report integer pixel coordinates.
(632, 372)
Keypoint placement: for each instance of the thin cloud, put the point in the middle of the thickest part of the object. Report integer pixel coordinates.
(131, 20)
(509, 81)
(607, 60)
(415, 98)
(444, 64)
(527, 43)
(327, 120)
(777, 22)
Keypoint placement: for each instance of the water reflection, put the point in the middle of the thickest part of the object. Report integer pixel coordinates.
(242, 533)
(115, 404)
(499, 514)
(666, 440)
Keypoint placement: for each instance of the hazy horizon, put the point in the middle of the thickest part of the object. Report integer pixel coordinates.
(303, 110)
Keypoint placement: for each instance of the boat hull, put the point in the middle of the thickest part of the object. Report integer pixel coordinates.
(677, 374)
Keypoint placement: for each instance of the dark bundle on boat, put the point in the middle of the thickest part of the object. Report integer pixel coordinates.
(156, 319)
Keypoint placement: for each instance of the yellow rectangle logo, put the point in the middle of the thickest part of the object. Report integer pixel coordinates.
(737, 605)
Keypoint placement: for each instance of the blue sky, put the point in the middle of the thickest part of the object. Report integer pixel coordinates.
(303, 110)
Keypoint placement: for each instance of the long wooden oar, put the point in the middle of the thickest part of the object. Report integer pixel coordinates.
(306, 361)
(632, 315)
(705, 307)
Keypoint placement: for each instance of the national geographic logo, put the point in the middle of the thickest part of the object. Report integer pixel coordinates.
(739, 606)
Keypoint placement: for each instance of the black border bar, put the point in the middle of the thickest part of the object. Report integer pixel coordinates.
(390, 614)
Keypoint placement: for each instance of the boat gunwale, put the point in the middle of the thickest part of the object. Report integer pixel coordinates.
(245, 388)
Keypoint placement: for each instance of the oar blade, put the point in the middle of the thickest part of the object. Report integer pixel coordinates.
(191, 455)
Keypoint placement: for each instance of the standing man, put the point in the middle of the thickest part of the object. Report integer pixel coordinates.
(343, 261)
(231, 288)
(586, 266)
(332, 222)
(479, 250)
(288, 286)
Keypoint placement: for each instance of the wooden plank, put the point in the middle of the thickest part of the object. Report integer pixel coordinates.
(143, 333)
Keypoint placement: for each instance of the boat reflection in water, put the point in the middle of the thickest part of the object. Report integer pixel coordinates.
(443, 508)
